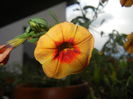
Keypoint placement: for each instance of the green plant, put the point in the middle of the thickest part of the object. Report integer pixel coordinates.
(109, 74)
(83, 19)
(110, 71)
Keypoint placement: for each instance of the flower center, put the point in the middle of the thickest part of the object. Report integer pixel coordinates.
(65, 45)
(66, 51)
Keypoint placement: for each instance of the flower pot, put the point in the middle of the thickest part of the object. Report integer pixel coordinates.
(70, 92)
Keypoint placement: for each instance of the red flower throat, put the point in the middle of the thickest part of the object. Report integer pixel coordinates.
(66, 51)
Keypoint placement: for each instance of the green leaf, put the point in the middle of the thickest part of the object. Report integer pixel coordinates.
(89, 7)
(77, 19)
(96, 74)
(106, 80)
(76, 9)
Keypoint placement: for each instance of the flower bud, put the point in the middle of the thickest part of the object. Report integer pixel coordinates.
(38, 24)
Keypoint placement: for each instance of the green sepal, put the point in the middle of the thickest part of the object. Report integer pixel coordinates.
(38, 24)
(33, 40)
(24, 35)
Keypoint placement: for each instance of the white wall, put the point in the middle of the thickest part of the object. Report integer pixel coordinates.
(16, 28)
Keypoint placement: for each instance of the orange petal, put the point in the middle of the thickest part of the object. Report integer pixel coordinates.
(68, 30)
(74, 67)
(129, 43)
(55, 33)
(86, 47)
(45, 42)
(126, 3)
(81, 34)
(57, 69)
(51, 67)
(43, 55)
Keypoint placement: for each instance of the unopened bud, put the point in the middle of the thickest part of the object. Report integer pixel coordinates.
(38, 24)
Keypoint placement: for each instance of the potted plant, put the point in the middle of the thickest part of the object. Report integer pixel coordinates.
(33, 84)
(107, 76)
(37, 28)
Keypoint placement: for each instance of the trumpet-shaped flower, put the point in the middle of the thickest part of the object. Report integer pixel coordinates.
(65, 49)
(4, 53)
(6, 49)
(126, 3)
(129, 43)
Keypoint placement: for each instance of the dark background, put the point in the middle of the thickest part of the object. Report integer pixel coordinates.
(13, 10)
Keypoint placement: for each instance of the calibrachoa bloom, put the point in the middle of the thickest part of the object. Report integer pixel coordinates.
(65, 49)
(6, 49)
(129, 43)
(126, 3)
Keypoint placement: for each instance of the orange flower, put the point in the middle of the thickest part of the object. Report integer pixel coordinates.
(6, 49)
(129, 43)
(65, 49)
(126, 3)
